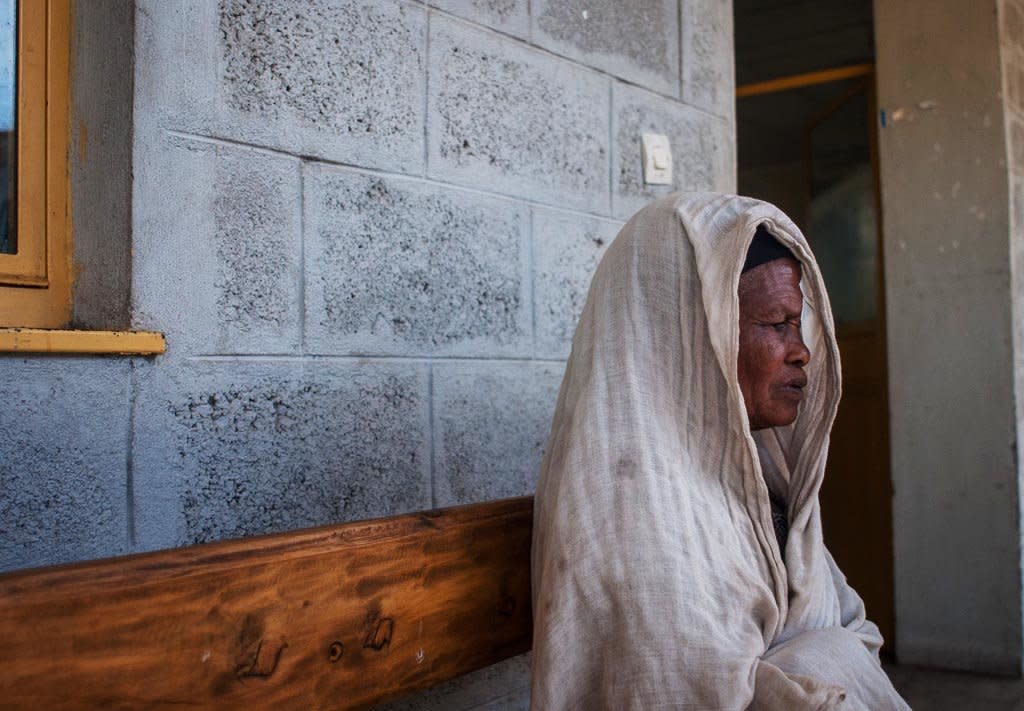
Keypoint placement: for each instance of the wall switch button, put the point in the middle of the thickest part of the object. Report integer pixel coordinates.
(657, 157)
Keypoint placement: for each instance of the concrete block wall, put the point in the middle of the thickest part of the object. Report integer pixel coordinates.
(367, 228)
(63, 475)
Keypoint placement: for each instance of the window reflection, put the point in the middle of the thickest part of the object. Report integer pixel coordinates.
(8, 113)
(842, 222)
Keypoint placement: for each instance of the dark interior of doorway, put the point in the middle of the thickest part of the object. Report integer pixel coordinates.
(806, 142)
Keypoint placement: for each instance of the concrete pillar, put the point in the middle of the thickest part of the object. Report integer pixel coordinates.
(947, 229)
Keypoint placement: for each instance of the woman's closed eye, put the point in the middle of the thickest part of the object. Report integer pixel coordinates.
(783, 326)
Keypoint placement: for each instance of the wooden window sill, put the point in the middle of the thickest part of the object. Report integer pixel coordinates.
(39, 340)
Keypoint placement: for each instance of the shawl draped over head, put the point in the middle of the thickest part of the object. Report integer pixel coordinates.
(658, 582)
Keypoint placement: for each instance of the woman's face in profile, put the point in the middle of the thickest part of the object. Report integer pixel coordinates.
(772, 354)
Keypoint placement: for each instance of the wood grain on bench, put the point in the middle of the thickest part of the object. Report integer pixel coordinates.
(340, 617)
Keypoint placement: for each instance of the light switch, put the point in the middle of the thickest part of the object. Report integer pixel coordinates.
(657, 156)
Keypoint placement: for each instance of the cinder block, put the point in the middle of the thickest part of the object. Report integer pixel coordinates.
(396, 266)
(1017, 251)
(511, 16)
(1016, 283)
(226, 449)
(63, 460)
(337, 79)
(1014, 71)
(1016, 142)
(514, 120)
(491, 423)
(1013, 23)
(701, 148)
(566, 250)
(218, 253)
(636, 40)
(709, 79)
(500, 687)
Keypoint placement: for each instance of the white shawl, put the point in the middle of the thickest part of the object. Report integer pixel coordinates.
(658, 582)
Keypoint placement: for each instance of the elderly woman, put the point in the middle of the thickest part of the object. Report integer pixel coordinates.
(678, 558)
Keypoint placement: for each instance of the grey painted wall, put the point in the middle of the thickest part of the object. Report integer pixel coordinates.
(366, 228)
(946, 226)
(102, 84)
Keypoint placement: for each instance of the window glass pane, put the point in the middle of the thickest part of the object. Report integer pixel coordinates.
(843, 229)
(844, 242)
(8, 113)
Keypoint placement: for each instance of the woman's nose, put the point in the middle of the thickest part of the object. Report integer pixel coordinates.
(799, 354)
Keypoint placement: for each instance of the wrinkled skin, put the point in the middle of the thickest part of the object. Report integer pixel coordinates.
(772, 353)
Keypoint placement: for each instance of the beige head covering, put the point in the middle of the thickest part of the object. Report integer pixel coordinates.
(658, 581)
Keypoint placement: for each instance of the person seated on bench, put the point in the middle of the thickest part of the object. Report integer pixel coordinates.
(703, 382)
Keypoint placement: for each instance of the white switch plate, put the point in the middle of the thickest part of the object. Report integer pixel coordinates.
(657, 155)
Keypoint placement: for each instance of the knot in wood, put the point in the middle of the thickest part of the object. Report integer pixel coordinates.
(261, 660)
(379, 636)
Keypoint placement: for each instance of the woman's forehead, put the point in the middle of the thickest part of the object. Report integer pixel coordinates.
(779, 278)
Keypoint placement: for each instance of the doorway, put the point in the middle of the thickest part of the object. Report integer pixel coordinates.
(807, 142)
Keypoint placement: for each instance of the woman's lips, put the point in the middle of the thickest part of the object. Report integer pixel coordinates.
(793, 390)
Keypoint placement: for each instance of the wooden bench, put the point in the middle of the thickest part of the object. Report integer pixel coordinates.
(339, 617)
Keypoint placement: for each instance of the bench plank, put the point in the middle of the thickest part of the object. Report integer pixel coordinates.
(339, 617)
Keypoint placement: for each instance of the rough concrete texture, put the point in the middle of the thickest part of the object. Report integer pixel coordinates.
(508, 680)
(288, 75)
(218, 256)
(702, 148)
(491, 422)
(636, 40)
(226, 448)
(402, 266)
(100, 158)
(63, 460)
(708, 56)
(511, 16)
(946, 223)
(566, 251)
(514, 120)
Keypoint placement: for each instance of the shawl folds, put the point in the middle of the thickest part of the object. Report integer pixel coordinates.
(658, 582)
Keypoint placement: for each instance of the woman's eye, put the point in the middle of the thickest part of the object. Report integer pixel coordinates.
(780, 326)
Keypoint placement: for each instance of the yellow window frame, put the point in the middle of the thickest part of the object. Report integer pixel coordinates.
(35, 283)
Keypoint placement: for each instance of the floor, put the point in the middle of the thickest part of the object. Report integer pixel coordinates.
(924, 690)
(928, 690)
